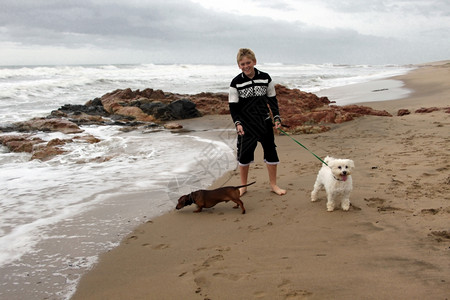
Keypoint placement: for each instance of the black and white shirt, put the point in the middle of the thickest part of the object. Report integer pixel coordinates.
(248, 98)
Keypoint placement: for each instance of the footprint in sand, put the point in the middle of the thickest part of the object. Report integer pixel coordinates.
(374, 202)
(207, 263)
(251, 228)
(297, 294)
(131, 238)
(259, 294)
(201, 282)
(440, 236)
(370, 227)
(430, 211)
(379, 203)
(212, 260)
(232, 277)
(289, 293)
(389, 208)
(160, 246)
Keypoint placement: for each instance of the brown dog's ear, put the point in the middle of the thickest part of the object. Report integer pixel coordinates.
(181, 202)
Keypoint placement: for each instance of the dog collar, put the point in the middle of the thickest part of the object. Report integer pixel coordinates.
(191, 200)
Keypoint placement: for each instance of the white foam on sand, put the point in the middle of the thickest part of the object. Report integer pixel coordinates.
(377, 90)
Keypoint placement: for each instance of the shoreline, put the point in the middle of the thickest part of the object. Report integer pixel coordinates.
(288, 247)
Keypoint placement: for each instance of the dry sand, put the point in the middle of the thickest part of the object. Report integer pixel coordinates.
(394, 243)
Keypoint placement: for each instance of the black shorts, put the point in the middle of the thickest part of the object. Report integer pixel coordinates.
(247, 143)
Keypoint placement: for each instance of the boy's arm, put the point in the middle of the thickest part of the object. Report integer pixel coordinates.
(273, 102)
(233, 102)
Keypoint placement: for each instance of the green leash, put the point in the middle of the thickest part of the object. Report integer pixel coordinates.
(302, 146)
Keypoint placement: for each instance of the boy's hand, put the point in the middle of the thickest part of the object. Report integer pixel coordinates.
(277, 124)
(239, 129)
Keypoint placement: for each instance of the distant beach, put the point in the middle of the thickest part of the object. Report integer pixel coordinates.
(392, 244)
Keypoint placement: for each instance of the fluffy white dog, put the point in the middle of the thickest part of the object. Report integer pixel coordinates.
(337, 180)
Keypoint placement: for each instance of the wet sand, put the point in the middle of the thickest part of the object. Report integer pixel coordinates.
(393, 243)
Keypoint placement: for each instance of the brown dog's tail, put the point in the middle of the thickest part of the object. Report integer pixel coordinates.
(245, 185)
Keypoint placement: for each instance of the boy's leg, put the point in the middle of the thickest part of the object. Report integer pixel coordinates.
(246, 148)
(243, 170)
(272, 169)
(271, 158)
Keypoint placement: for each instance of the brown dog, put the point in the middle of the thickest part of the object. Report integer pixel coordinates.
(209, 198)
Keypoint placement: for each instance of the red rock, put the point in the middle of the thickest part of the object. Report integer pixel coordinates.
(87, 138)
(308, 129)
(84, 118)
(46, 153)
(365, 110)
(424, 110)
(57, 142)
(135, 112)
(20, 143)
(173, 126)
(403, 112)
(42, 124)
(120, 98)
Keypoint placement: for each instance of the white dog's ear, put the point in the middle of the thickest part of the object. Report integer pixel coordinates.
(352, 164)
(327, 159)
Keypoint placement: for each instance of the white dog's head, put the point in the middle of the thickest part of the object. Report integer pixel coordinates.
(341, 168)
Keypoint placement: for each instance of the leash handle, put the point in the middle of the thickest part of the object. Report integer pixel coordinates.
(302, 145)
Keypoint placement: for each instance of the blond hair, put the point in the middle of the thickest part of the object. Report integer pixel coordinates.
(245, 52)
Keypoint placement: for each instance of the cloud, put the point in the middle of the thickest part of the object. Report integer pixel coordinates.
(131, 31)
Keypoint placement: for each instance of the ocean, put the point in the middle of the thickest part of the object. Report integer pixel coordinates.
(57, 216)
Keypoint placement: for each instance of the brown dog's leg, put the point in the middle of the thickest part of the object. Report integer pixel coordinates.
(199, 209)
(239, 204)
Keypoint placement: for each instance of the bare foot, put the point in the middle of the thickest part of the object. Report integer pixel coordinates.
(277, 190)
(242, 191)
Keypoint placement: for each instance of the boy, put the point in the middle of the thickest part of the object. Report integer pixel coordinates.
(251, 94)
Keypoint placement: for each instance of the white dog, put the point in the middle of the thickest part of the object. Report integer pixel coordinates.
(337, 180)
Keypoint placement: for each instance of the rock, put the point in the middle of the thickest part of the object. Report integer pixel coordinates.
(86, 119)
(154, 104)
(173, 126)
(58, 142)
(90, 109)
(42, 124)
(403, 112)
(303, 112)
(38, 148)
(424, 110)
(46, 153)
(134, 112)
(211, 103)
(20, 143)
(176, 110)
(90, 139)
(359, 110)
(183, 109)
(308, 129)
(156, 109)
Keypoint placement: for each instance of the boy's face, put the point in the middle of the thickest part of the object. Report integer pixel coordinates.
(247, 66)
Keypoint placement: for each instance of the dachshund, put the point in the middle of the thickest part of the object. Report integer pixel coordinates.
(209, 198)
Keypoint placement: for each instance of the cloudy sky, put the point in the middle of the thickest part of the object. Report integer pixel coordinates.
(208, 31)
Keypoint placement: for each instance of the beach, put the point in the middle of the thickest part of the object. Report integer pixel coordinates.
(393, 243)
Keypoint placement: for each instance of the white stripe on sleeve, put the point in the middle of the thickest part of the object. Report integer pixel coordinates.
(233, 96)
(271, 90)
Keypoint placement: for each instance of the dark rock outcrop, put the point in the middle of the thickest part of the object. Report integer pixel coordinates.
(176, 110)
